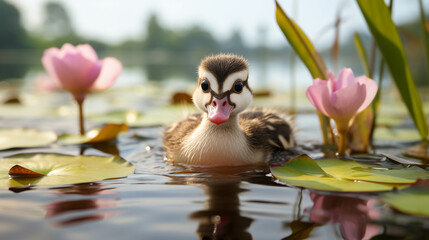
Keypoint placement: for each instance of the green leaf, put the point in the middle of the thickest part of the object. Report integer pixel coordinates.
(304, 172)
(107, 133)
(345, 175)
(406, 160)
(397, 134)
(155, 117)
(380, 23)
(352, 170)
(300, 179)
(308, 54)
(22, 138)
(411, 200)
(62, 169)
(362, 54)
(425, 34)
(302, 45)
(126, 116)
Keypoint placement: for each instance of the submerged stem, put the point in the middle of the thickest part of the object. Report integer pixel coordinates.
(81, 121)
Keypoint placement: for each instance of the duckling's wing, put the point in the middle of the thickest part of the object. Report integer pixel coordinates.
(176, 133)
(266, 130)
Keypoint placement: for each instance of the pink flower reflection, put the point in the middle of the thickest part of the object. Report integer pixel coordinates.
(70, 212)
(352, 214)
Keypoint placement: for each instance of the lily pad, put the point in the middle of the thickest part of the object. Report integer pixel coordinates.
(397, 134)
(21, 138)
(155, 117)
(352, 170)
(345, 175)
(406, 160)
(303, 171)
(411, 200)
(107, 133)
(58, 169)
(126, 116)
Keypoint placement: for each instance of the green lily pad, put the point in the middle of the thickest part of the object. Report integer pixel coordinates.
(127, 116)
(411, 200)
(406, 160)
(26, 112)
(401, 134)
(345, 175)
(59, 169)
(107, 133)
(352, 170)
(155, 117)
(22, 138)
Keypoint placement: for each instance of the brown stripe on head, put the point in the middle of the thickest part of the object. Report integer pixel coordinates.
(222, 65)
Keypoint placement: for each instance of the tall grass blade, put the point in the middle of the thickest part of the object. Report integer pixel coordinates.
(362, 54)
(425, 35)
(380, 23)
(308, 54)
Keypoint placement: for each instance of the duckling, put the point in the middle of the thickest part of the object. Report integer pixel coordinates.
(226, 134)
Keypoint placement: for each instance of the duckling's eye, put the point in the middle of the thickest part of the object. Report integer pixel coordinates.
(238, 86)
(205, 85)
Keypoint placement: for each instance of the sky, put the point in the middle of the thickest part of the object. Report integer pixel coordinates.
(114, 21)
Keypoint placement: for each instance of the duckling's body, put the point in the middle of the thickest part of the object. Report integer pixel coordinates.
(226, 134)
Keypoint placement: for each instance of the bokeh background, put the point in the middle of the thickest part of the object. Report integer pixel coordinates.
(163, 41)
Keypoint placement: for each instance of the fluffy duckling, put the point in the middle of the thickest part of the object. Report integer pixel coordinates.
(226, 134)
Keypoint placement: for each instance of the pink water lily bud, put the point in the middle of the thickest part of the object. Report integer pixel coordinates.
(342, 98)
(78, 69)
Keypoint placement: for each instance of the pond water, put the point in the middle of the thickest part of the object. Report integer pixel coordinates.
(162, 201)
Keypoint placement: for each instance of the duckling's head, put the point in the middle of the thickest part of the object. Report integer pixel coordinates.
(223, 89)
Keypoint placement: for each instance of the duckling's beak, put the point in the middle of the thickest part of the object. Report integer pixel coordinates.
(219, 110)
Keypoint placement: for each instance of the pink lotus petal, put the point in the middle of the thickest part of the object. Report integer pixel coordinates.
(87, 51)
(76, 73)
(342, 98)
(345, 79)
(111, 68)
(347, 101)
(47, 57)
(371, 91)
(316, 93)
(77, 69)
(66, 49)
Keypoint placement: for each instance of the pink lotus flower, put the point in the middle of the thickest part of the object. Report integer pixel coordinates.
(343, 98)
(79, 71)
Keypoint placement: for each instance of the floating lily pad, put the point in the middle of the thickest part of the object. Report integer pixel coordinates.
(421, 151)
(127, 116)
(107, 133)
(406, 160)
(345, 175)
(21, 138)
(352, 170)
(303, 171)
(397, 134)
(26, 112)
(411, 200)
(155, 117)
(59, 169)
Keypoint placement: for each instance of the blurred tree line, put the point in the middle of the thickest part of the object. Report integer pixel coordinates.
(161, 52)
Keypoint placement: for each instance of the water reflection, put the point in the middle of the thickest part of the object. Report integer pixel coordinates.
(68, 212)
(109, 147)
(353, 215)
(221, 217)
